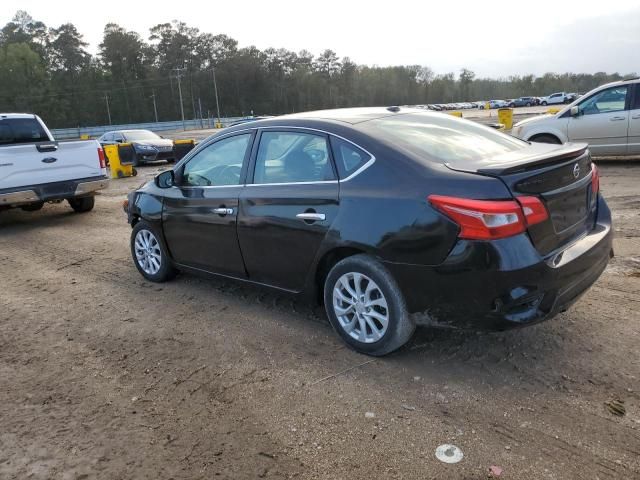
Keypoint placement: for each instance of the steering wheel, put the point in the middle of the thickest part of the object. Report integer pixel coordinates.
(316, 154)
(229, 175)
(198, 180)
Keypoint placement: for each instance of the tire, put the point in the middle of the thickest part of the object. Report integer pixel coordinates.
(384, 292)
(32, 207)
(545, 138)
(81, 205)
(144, 235)
(528, 104)
(544, 104)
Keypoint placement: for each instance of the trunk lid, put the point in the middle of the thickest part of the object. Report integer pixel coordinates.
(560, 175)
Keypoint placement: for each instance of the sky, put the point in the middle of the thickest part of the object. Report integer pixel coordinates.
(492, 38)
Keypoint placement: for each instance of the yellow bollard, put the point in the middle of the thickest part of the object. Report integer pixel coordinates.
(455, 114)
(218, 125)
(84, 136)
(505, 116)
(553, 110)
(487, 106)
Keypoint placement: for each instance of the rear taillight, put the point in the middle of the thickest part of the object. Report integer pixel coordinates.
(103, 163)
(595, 178)
(491, 219)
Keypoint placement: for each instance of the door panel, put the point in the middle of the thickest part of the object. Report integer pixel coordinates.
(200, 213)
(287, 210)
(278, 246)
(197, 235)
(603, 122)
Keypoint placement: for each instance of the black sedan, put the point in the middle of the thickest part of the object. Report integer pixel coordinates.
(147, 145)
(390, 216)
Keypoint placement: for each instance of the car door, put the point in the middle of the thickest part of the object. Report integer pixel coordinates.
(287, 207)
(634, 123)
(200, 212)
(603, 121)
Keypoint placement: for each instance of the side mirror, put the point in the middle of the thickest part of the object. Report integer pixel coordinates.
(165, 179)
(575, 111)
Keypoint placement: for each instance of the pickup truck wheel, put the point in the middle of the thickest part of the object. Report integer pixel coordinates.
(81, 205)
(366, 307)
(544, 138)
(544, 103)
(33, 207)
(149, 253)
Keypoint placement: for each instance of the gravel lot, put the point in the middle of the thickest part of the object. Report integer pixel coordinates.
(105, 375)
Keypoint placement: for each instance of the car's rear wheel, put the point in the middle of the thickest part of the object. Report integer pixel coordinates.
(366, 307)
(544, 103)
(149, 253)
(81, 205)
(544, 138)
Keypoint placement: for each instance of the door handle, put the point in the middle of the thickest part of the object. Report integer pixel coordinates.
(223, 211)
(636, 117)
(49, 160)
(311, 217)
(615, 119)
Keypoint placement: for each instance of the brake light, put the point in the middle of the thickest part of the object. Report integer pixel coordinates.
(491, 219)
(595, 178)
(533, 209)
(103, 163)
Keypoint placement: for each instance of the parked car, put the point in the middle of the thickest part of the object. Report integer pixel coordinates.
(148, 146)
(607, 118)
(389, 216)
(497, 104)
(522, 102)
(554, 99)
(35, 168)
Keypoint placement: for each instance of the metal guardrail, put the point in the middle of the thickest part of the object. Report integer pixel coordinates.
(92, 132)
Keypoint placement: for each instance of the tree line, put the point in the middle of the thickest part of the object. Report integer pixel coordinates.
(48, 71)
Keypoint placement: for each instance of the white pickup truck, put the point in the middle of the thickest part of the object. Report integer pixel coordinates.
(34, 168)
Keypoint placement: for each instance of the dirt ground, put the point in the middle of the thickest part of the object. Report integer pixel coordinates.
(105, 375)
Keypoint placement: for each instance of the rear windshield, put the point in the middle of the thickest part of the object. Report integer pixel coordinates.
(21, 130)
(140, 135)
(441, 137)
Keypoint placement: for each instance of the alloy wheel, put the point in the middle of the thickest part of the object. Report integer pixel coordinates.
(148, 253)
(360, 307)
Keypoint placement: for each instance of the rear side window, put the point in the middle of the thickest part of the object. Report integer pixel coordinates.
(21, 130)
(292, 157)
(348, 157)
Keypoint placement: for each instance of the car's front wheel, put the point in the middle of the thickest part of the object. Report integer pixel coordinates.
(149, 253)
(82, 205)
(544, 103)
(366, 307)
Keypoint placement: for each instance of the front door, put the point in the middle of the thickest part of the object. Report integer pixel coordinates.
(200, 212)
(603, 122)
(287, 208)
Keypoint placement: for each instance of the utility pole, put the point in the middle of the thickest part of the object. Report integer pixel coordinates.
(155, 109)
(200, 108)
(215, 89)
(178, 76)
(106, 99)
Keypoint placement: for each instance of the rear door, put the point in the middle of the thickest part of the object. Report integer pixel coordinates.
(634, 123)
(200, 212)
(603, 121)
(287, 206)
(29, 157)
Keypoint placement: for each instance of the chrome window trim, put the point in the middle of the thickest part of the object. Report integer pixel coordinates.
(370, 162)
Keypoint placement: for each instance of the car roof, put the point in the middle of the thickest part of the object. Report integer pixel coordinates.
(349, 115)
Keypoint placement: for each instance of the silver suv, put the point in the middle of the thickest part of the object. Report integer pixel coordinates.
(607, 118)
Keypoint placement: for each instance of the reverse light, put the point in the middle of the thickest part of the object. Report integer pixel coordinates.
(103, 163)
(491, 219)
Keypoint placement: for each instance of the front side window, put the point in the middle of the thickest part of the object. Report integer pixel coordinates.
(217, 164)
(348, 157)
(605, 101)
(292, 157)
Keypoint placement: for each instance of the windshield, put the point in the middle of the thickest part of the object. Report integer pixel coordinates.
(441, 137)
(140, 135)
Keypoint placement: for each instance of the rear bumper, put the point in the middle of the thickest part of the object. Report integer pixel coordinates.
(504, 284)
(46, 192)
